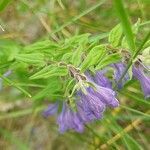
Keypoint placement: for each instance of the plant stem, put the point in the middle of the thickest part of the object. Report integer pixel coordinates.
(132, 58)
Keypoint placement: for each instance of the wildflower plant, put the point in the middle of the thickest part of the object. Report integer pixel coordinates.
(80, 76)
(91, 89)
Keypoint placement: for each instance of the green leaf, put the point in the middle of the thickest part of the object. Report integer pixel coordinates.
(77, 39)
(76, 44)
(147, 44)
(32, 58)
(124, 43)
(76, 56)
(93, 57)
(125, 24)
(41, 45)
(66, 57)
(115, 35)
(8, 50)
(107, 60)
(136, 26)
(52, 87)
(3, 4)
(43, 71)
(145, 57)
(50, 71)
(96, 38)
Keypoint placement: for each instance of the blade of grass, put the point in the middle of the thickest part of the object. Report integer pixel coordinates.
(129, 142)
(135, 111)
(21, 113)
(141, 7)
(122, 14)
(145, 23)
(15, 85)
(78, 17)
(128, 128)
(134, 96)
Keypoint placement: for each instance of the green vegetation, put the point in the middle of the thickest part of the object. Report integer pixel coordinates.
(45, 44)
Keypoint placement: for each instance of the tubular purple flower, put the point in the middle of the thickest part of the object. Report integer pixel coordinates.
(91, 106)
(106, 95)
(69, 120)
(51, 110)
(144, 80)
(89, 77)
(101, 80)
(119, 69)
(84, 113)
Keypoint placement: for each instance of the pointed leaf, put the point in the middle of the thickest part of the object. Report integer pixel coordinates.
(115, 35)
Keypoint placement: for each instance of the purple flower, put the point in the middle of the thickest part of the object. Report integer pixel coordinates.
(84, 112)
(51, 110)
(119, 70)
(144, 80)
(93, 102)
(90, 107)
(68, 119)
(101, 80)
(106, 95)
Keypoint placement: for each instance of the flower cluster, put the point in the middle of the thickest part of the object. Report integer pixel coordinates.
(90, 104)
(92, 100)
